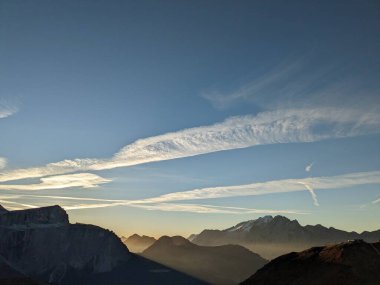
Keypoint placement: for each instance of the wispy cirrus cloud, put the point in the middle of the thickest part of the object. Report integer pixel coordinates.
(170, 202)
(6, 110)
(302, 81)
(272, 127)
(210, 209)
(83, 180)
(3, 162)
(272, 187)
(93, 203)
(308, 167)
(377, 201)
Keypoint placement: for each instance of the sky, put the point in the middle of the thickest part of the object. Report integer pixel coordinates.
(170, 117)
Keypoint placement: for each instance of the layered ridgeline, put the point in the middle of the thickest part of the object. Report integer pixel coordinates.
(223, 265)
(349, 263)
(41, 245)
(137, 243)
(273, 236)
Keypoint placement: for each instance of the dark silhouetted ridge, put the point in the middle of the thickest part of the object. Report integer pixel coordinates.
(349, 263)
(227, 264)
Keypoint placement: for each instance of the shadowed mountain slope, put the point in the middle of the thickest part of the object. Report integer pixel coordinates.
(227, 264)
(350, 263)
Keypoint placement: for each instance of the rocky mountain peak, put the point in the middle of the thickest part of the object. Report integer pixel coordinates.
(38, 217)
(266, 221)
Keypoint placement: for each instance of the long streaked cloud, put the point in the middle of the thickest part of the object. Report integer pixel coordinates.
(272, 127)
(169, 202)
(167, 207)
(275, 186)
(83, 180)
(190, 208)
(210, 209)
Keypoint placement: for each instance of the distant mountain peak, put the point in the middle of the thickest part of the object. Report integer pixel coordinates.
(261, 221)
(174, 240)
(227, 264)
(138, 243)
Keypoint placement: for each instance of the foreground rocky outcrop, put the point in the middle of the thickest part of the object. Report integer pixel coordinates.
(273, 236)
(41, 245)
(137, 243)
(227, 264)
(349, 263)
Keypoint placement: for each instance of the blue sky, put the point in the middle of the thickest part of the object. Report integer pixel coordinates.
(135, 100)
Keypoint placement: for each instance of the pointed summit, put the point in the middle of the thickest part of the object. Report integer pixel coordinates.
(3, 210)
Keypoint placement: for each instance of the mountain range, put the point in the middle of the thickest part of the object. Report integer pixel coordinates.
(349, 263)
(40, 245)
(273, 236)
(223, 265)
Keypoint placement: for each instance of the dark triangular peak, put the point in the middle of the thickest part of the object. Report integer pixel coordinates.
(3, 210)
(52, 215)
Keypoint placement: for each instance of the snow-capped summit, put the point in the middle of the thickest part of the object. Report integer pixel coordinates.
(247, 226)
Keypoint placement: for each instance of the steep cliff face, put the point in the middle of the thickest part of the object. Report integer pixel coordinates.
(41, 242)
(77, 246)
(39, 217)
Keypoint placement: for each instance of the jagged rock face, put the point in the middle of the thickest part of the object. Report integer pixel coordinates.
(46, 216)
(227, 264)
(273, 236)
(41, 242)
(348, 263)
